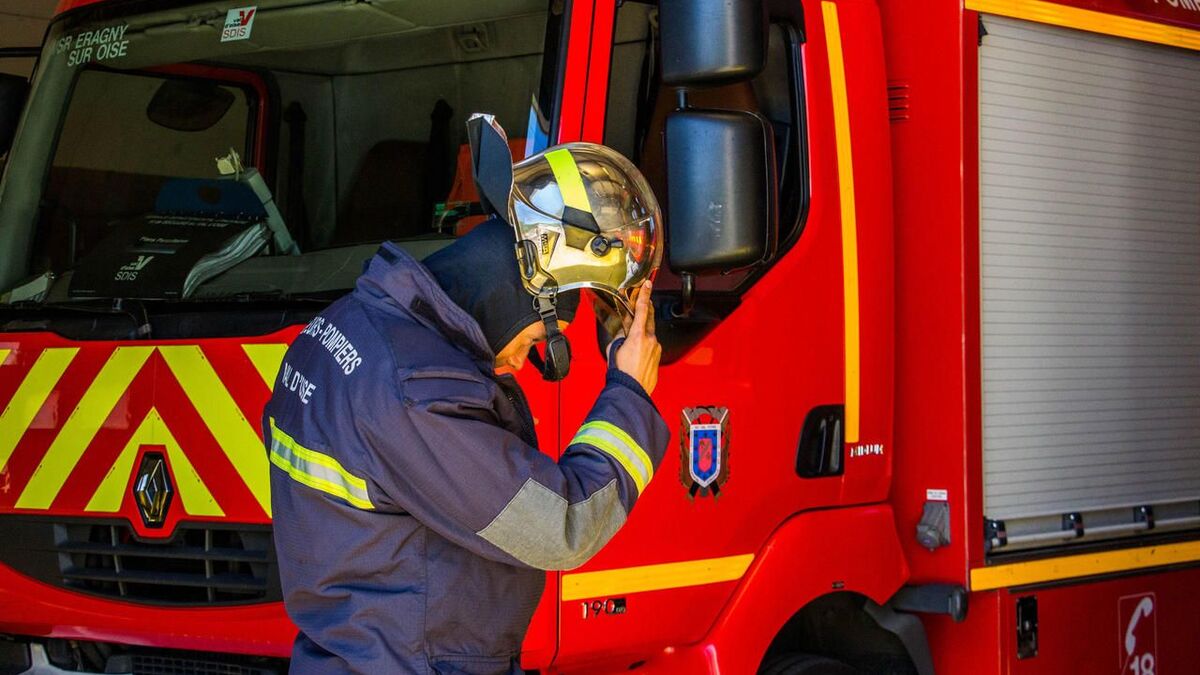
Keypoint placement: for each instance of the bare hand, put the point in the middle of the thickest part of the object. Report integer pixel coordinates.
(638, 356)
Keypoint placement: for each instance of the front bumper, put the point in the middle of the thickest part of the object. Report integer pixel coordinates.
(34, 658)
(42, 611)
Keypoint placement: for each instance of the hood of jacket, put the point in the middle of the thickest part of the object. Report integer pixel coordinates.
(396, 282)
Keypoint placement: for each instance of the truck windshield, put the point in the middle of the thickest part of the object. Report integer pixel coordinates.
(224, 150)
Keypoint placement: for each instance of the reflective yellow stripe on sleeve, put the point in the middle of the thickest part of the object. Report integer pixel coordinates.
(614, 442)
(570, 183)
(317, 470)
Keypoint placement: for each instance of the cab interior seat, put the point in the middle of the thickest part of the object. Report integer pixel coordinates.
(387, 198)
(462, 189)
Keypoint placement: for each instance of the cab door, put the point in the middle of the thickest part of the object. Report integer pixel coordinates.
(790, 359)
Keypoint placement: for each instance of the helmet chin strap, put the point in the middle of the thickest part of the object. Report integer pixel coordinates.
(557, 362)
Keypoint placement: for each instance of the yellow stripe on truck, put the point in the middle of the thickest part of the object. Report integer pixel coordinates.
(77, 433)
(661, 577)
(1083, 565)
(195, 495)
(266, 358)
(1055, 14)
(845, 159)
(234, 433)
(31, 395)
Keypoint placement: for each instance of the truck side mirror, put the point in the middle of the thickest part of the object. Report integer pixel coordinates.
(721, 201)
(14, 89)
(712, 42)
(721, 210)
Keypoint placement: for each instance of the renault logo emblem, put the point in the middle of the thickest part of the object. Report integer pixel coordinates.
(152, 489)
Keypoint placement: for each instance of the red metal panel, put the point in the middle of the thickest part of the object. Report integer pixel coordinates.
(1098, 627)
(575, 75)
(809, 556)
(153, 386)
(603, 24)
(769, 363)
(926, 62)
(972, 345)
(31, 608)
(973, 647)
(812, 555)
(28, 607)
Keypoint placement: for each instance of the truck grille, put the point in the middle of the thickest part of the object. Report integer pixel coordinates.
(78, 656)
(146, 664)
(201, 564)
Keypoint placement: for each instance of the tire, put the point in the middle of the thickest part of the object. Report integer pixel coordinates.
(804, 664)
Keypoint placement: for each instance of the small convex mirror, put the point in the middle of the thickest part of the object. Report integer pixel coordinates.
(188, 105)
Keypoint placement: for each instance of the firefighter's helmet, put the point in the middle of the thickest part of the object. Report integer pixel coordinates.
(584, 216)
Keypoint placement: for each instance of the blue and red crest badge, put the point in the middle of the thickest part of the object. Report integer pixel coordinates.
(704, 446)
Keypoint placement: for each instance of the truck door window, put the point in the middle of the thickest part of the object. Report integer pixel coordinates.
(638, 105)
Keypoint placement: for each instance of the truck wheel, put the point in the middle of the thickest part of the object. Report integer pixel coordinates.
(804, 664)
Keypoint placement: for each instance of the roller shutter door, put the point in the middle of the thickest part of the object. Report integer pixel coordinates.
(1090, 245)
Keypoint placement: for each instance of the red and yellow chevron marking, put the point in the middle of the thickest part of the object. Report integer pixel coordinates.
(75, 419)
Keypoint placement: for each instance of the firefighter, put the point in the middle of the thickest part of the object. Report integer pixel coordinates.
(414, 515)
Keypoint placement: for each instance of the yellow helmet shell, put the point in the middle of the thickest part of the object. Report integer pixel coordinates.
(584, 217)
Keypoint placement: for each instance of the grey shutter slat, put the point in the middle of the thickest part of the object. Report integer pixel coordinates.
(1090, 245)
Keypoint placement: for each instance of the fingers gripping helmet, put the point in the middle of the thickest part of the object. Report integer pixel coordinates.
(583, 215)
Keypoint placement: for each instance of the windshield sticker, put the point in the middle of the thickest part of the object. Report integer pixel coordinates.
(98, 44)
(238, 23)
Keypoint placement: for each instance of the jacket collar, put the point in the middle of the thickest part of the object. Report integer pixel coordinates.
(395, 279)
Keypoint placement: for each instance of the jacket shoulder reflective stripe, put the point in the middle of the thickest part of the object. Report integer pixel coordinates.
(316, 470)
(614, 442)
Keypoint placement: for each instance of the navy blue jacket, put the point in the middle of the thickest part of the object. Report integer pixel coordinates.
(413, 512)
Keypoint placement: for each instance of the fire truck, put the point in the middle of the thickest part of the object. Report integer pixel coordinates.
(930, 309)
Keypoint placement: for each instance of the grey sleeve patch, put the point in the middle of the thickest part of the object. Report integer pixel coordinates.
(539, 528)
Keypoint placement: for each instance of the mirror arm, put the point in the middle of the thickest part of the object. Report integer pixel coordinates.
(687, 296)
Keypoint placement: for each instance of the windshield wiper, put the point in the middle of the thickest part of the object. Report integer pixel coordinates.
(266, 296)
(134, 309)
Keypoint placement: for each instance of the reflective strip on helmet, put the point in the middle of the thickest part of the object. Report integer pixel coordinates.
(612, 441)
(570, 183)
(317, 470)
